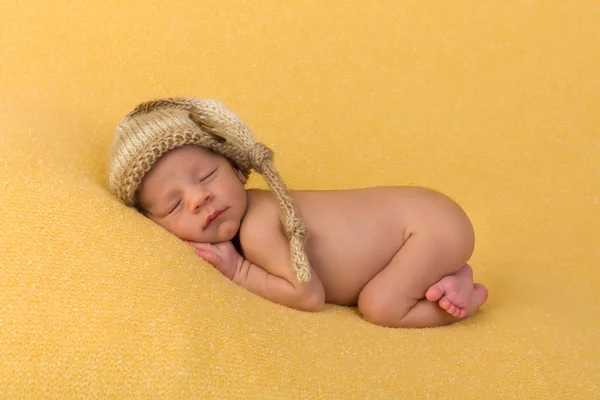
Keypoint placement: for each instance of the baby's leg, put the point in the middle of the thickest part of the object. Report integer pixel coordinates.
(426, 313)
(396, 296)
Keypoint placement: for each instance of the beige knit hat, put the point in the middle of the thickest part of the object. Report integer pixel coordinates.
(155, 127)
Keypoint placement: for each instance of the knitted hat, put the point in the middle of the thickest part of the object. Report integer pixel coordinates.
(155, 127)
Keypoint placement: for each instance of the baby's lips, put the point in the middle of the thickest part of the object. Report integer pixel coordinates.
(211, 217)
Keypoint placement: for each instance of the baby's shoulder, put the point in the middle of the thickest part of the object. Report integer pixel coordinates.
(261, 224)
(261, 204)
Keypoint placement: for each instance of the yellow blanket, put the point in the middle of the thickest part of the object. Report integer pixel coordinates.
(496, 105)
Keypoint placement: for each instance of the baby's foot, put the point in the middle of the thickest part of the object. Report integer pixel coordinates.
(455, 292)
(479, 296)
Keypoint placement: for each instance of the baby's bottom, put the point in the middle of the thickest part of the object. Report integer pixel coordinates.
(425, 284)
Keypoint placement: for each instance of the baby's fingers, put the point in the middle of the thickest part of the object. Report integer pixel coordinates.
(199, 246)
(209, 256)
(215, 259)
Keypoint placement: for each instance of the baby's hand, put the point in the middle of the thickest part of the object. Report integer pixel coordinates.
(223, 256)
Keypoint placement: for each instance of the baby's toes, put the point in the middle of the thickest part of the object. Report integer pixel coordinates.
(434, 292)
(452, 310)
(458, 312)
(445, 303)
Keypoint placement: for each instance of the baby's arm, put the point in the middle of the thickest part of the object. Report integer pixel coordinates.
(267, 271)
(302, 296)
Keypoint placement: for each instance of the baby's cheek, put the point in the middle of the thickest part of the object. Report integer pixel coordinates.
(182, 231)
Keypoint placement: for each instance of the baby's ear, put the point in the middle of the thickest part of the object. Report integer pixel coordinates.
(240, 175)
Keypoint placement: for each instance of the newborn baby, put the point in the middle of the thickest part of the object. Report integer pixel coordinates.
(398, 253)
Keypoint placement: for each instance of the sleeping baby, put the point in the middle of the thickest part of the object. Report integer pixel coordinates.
(397, 253)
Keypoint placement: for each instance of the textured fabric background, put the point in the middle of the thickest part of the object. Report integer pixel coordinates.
(496, 105)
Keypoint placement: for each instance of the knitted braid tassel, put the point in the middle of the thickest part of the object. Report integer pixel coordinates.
(261, 159)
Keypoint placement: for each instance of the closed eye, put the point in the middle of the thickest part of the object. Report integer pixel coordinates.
(209, 175)
(174, 207)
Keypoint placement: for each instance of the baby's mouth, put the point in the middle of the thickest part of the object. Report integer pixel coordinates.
(211, 217)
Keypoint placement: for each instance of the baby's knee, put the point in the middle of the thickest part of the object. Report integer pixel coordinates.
(379, 309)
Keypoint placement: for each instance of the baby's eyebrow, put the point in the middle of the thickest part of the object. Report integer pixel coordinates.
(151, 203)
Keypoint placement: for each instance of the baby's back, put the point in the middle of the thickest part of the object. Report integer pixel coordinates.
(353, 234)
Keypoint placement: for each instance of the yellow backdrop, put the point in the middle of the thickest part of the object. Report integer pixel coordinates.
(495, 104)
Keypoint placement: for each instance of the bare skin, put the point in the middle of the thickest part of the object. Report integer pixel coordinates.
(399, 253)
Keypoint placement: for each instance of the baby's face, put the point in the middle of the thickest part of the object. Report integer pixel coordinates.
(195, 194)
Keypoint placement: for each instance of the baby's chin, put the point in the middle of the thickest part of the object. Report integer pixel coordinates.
(228, 230)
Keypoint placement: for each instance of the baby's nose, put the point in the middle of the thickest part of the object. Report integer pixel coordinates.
(198, 198)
